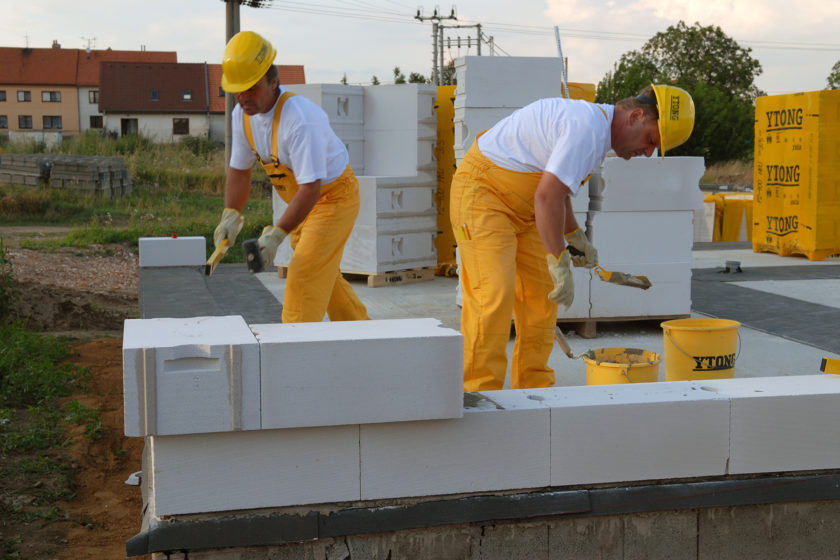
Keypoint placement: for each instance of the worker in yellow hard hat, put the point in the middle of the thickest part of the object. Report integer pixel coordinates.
(309, 168)
(511, 212)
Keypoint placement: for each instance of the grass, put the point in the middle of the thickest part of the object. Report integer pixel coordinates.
(177, 190)
(729, 173)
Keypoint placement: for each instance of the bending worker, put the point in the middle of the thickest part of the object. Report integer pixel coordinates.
(511, 212)
(308, 166)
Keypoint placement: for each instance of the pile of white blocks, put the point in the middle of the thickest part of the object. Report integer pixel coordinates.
(241, 418)
(642, 222)
(390, 132)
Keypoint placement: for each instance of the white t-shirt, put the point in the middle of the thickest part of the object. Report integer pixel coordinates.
(306, 143)
(567, 137)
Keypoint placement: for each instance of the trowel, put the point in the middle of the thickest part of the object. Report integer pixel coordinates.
(620, 278)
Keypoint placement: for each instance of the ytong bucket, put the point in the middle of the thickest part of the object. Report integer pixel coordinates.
(700, 348)
(610, 366)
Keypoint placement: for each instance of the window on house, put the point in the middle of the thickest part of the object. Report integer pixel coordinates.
(4, 121)
(96, 121)
(93, 96)
(3, 94)
(186, 95)
(24, 121)
(154, 95)
(221, 91)
(51, 96)
(24, 95)
(180, 126)
(52, 122)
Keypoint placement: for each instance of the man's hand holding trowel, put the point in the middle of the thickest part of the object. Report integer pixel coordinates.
(224, 237)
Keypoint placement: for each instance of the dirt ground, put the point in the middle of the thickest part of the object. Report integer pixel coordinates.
(85, 295)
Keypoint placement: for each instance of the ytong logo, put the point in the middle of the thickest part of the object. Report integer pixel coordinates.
(782, 175)
(782, 225)
(714, 363)
(784, 119)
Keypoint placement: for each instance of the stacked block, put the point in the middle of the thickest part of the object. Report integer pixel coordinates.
(190, 376)
(358, 372)
(642, 215)
(344, 106)
(96, 175)
(397, 223)
(797, 174)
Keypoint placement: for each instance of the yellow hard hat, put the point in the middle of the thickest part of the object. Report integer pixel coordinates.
(247, 58)
(676, 115)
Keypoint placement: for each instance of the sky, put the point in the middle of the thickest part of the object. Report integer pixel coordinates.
(796, 46)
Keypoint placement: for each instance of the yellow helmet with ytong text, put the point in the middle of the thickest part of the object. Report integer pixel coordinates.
(676, 115)
(247, 58)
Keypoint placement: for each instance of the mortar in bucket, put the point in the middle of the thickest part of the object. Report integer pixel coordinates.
(700, 348)
(610, 366)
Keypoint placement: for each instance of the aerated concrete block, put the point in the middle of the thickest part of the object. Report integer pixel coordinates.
(643, 431)
(782, 423)
(501, 443)
(191, 375)
(669, 294)
(648, 184)
(359, 372)
(485, 81)
(631, 238)
(250, 470)
(172, 251)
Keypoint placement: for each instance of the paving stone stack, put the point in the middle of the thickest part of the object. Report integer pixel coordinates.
(97, 175)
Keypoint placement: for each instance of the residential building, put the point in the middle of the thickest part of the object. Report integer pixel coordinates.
(166, 102)
(55, 91)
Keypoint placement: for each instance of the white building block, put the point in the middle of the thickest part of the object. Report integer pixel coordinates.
(645, 431)
(192, 375)
(359, 372)
(250, 470)
(582, 304)
(630, 238)
(669, 294)
(648, 184)
(501, 443)
(485, 81)
(782, 423)
(172, 251)
(400, 128)
(704, 223)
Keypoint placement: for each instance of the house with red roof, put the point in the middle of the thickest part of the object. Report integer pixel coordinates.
(56, 90)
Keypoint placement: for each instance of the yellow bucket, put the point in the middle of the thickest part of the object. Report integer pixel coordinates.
(610, 366)
(700, 348)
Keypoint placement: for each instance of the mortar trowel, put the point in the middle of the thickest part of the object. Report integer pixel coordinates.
(620, 278)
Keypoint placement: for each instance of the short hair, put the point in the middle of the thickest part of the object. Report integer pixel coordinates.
(272, 74)
(646, 100)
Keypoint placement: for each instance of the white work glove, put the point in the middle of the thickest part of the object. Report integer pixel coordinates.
(579, 241)
(561, 273)
(228, 227)
(268, 242)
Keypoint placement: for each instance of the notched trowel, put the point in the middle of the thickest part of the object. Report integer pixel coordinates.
(620, 278)
(253, 258)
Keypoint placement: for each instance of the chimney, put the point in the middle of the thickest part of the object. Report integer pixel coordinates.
(56, 44)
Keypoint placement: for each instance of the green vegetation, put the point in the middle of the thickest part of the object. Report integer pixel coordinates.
(177, 190)
(34, 377)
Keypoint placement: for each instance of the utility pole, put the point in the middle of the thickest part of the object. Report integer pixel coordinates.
(437, 41)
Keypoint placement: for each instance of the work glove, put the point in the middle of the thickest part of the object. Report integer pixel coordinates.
(561, 273)
(579, 241)
(228, 227)
(268, 242)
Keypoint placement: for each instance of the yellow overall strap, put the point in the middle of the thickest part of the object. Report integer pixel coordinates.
(249, 135)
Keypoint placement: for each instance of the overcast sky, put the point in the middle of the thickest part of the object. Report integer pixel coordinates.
(796, 42)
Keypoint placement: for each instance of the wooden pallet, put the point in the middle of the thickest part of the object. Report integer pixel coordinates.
(379, 279)
(587, 328)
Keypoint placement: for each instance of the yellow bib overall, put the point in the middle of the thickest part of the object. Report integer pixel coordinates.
(502, 272)
(314, 284)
